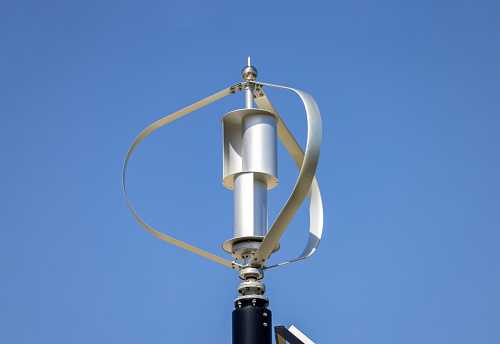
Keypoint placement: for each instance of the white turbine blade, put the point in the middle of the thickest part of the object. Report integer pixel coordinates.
(148, 131)
(304, 181)
(314, 195)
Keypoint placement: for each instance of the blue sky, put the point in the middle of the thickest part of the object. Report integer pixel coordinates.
(409, 169)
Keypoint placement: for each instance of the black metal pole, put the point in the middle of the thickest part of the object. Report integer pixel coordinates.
(252, 322)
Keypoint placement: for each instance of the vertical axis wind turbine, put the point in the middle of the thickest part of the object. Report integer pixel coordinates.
(250, 170)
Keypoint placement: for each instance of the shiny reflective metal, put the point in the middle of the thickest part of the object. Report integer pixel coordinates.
(243, 250)
(251, 287)
(248, 272)
(250, 170)
(237, 133)
(250, 206)
(249, 89)
(249, 73)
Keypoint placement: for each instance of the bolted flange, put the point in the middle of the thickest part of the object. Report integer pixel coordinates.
(254, 300)
(251, 273)
(251, 287)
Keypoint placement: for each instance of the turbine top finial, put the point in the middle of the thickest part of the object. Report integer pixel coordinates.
(249, 73)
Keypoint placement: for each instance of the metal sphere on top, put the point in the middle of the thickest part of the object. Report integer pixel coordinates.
(249, 73)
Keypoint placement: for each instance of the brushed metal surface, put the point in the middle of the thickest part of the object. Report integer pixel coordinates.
(250, 206)
(260, 144)
(232, 124)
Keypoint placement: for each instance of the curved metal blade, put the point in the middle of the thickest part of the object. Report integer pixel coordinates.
(148, 131)
(314, 195)
(306, 183)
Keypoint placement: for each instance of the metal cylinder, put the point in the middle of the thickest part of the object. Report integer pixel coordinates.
(249, 96)
(252, 322)
(250, 169)
(257, 130)
(260, 144)
(250, 206)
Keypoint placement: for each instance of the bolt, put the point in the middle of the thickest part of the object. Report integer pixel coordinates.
(265, 314)
(265, 324)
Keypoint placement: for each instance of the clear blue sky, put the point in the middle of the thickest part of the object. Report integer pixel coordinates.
(409, 169)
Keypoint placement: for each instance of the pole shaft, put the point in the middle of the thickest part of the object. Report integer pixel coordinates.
(252, 323)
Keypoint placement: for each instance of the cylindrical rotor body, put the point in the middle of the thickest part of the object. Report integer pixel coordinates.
(260, 144)
(250, 206)
(250, 169)
(250, 145)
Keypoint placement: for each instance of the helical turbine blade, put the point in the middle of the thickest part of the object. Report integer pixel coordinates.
(314, 195)
(306, 184)
(148, 131)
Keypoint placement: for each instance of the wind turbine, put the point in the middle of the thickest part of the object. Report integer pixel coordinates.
(250, 169)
